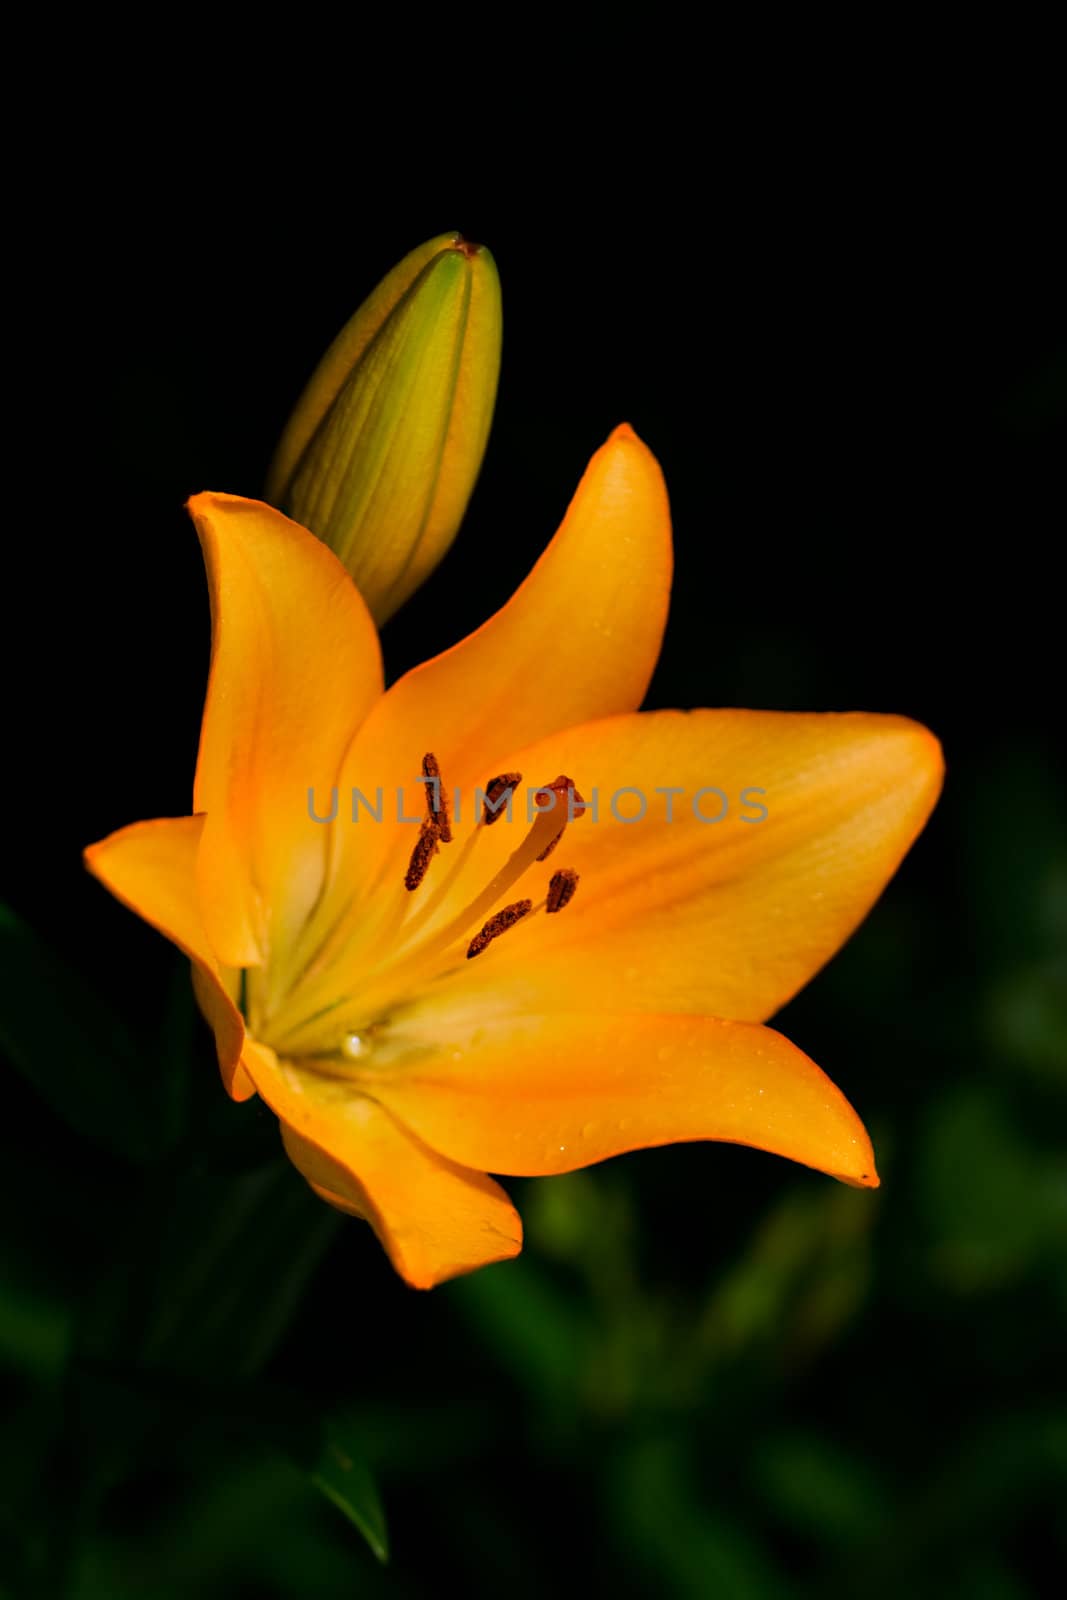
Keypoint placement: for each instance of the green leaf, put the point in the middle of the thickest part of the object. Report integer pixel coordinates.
(343, 1477)
(208, 1274)
(70, 1046)
(121, 1423)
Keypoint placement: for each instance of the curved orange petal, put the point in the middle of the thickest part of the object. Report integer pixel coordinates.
(579, 639)
(539, 1095)
(151, 867)
(726, 918)
(436, 1219)
(295, 668)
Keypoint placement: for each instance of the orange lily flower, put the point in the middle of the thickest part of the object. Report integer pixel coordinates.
(423, 1002)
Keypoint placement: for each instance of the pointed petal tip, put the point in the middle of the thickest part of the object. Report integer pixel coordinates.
(203, 500)
(500, 1240)
(95, 855)
(625, 456)
(867, 1179)
(621, 432)
(208, 502)
(213, 512)
(918, 753)
(420, 1275)
(858, 1167)
(625, 451)
(931, 747)
(95, 859)
(918, 735)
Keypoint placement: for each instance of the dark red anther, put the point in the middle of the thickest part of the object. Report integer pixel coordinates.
(423, 853)
(498, 924)
(495, 790)
(436, 798)
(561, 889)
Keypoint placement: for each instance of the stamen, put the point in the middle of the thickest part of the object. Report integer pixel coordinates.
(423, 853)
(424, 954)
(498, 924)
(561, 889)
(416, 954)
(561, 786)
(495, 791)
(436, 798)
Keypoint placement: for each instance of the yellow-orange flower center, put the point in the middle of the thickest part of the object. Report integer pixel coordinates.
(333, 1015)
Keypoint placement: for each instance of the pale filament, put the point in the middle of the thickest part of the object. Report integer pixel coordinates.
(410, 957)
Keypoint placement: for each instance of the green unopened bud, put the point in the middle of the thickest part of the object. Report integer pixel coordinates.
(382, 452)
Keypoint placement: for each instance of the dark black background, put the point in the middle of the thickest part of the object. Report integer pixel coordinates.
(844, 339)
(848, 353)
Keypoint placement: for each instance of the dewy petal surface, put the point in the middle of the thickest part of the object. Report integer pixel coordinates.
(295, 668)
(435, 1218)
(727, 918)
(151, 867)
(539, 1095)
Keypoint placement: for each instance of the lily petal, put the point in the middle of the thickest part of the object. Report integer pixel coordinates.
(435, 1219)
(151, 867)
(531, 1096)
(728, 918)
(295, 668)
(579, 639)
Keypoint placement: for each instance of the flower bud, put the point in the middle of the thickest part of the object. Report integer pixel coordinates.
(382, 452)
